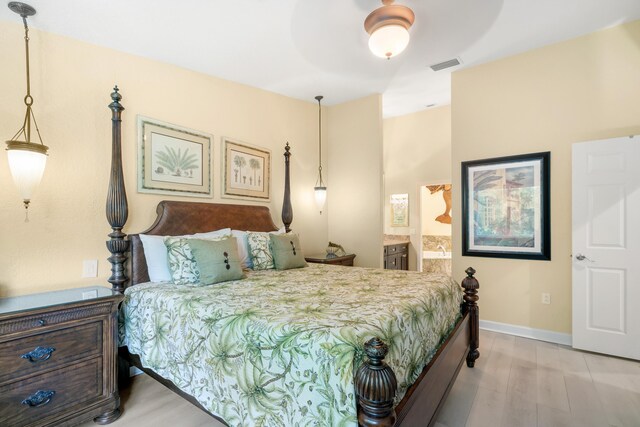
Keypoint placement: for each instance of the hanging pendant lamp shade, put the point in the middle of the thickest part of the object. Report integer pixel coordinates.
(26, 159)
(320, 190)
(26, 163)
(320, 194)
(388, 28)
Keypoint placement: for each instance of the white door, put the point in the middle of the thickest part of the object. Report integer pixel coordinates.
(606, 246)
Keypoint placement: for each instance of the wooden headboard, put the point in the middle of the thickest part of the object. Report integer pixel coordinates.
(178, 218)
(174, 218)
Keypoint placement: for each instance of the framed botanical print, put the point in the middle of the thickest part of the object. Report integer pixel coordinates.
(247, 171)
(173, 160)
(399, 210)
(506, 207)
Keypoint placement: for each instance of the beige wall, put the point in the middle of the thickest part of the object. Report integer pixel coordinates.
(354, 184)
(417, 151)
(71, 85)
(543, 100)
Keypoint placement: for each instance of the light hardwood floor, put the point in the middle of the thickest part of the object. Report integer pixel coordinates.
(516, 382)
(522, 382)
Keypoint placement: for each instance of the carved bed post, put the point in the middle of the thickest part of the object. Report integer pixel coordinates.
(117, 211)
(376, 386)
(471, 286)
(287, 210)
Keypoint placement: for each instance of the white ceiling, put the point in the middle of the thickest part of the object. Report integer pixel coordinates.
(302, 48)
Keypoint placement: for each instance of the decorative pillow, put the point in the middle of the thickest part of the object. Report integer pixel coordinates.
(243, 248)
(217, 261)
(155, 253)
(183, 267)
(261, 257)
(286, 251)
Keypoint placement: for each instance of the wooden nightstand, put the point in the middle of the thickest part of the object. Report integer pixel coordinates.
(341, 260)
(58, 358)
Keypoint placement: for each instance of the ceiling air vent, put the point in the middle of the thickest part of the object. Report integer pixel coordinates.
(446, 64)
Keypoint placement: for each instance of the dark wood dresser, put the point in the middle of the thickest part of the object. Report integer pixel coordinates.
(396, 256)
(58, 360)
(340, 260)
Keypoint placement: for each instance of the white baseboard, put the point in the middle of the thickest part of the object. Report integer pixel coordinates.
(526, 332)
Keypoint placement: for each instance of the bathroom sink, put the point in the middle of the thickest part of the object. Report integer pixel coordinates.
(436, 255)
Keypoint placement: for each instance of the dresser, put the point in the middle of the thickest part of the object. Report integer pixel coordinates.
(58, 358)
(396, 256)
(338, 260)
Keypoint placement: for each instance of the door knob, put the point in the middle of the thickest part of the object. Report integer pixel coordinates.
(581, 257)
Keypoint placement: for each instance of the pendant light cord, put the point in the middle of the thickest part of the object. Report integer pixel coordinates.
(28, 99)
(320, 183)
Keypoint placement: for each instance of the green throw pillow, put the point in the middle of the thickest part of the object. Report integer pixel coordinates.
(286, 251)
(218, 261)
(182, 264)
(259, 252)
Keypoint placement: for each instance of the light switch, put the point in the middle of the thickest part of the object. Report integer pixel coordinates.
(90, 268)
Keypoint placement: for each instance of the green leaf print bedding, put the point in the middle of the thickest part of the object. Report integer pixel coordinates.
(279, 348)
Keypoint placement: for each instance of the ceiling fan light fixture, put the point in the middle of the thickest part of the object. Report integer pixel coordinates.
(388, 28)
(389, 41)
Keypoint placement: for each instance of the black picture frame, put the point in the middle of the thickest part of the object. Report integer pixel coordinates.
(506, 207)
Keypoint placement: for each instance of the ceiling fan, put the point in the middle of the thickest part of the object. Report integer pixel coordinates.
(388, 28)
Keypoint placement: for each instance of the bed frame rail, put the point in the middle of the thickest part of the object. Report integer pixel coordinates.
(376, 383)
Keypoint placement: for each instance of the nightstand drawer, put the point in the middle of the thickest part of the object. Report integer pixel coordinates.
(45, 395)
(30, 322)
(27, 356)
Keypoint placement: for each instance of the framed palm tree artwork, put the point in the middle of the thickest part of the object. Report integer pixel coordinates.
(247, 171)
(506, 207)
(173, 160)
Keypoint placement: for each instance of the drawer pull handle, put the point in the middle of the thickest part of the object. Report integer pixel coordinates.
(39, 354)
(40, 398)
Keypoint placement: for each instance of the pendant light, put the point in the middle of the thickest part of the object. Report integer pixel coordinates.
(27, 159)
(388, 28)
(320, 189)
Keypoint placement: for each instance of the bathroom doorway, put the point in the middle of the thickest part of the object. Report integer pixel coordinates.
(435, 223)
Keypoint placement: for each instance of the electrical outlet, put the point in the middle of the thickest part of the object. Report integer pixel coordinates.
(546, 298)
(90, 268)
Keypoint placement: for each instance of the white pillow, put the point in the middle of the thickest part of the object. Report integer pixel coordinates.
(243, 248)
(217, 233)
(155, 252)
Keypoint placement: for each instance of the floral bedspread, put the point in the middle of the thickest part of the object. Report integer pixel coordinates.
(279, 347)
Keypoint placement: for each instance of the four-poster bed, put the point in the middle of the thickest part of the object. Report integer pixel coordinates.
(374, 382)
